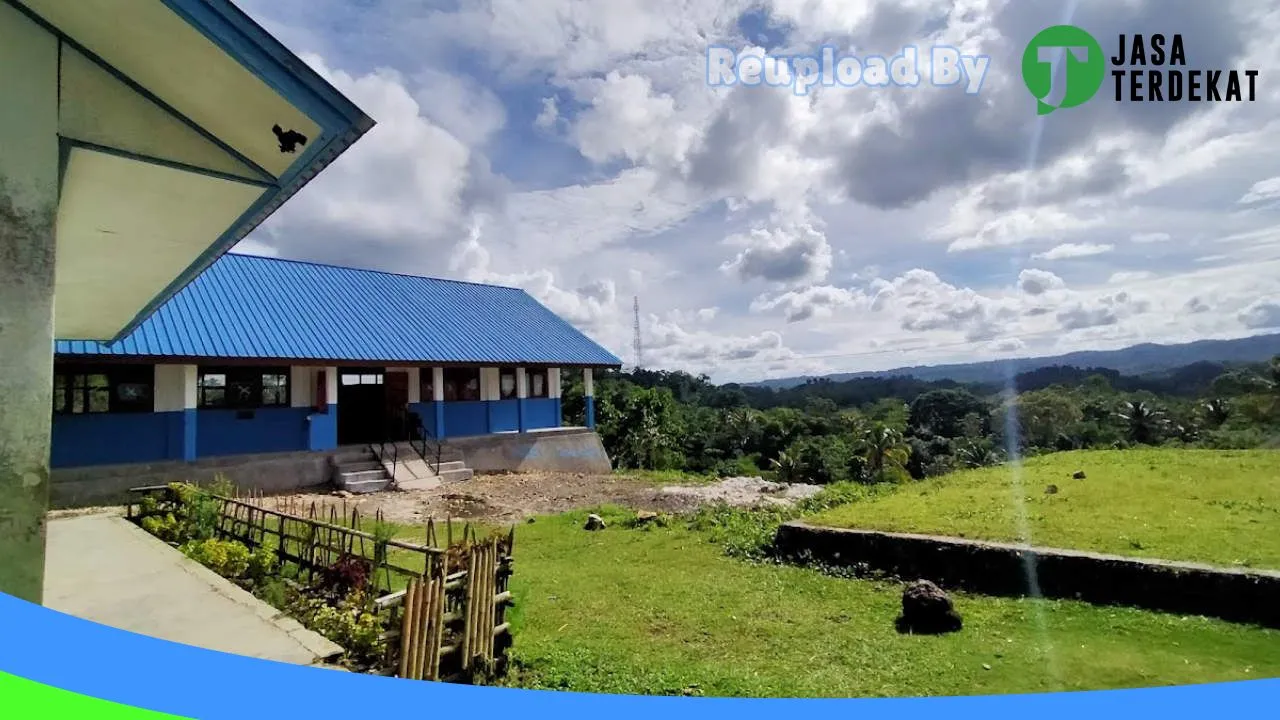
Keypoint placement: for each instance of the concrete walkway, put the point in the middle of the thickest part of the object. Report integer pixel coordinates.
(101, 567)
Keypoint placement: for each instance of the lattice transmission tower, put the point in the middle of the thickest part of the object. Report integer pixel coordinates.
(635, 340)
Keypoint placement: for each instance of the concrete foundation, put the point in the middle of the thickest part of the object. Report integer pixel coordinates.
(1239, 595)
(568, 450)
(110, 484)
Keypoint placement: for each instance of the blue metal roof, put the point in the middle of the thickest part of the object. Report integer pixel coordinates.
(253, 307)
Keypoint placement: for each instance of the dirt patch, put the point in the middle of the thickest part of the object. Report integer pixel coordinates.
(745, 492)
(508, 498)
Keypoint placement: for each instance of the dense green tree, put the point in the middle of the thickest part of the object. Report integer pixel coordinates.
(1038, 417)
(942, 412)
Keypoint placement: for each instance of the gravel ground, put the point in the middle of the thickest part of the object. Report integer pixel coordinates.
(506, 498)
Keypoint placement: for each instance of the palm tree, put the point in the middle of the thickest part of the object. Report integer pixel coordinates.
(884, 448)
(1217, 411)
(1143, 420)
(976, 455)
(789, 469)
(741, 426)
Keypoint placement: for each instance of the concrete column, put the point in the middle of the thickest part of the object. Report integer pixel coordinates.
(302, 386)
(28, 207)
(489, 392)
(437, 397)
(331, 386)
(175, 395)
(322, 426)
(553, 392)
(553, 382)
(589, 391)
(522, 395)
(415, 386)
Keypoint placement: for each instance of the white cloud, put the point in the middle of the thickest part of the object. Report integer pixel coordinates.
(1260, 315)
(1074, 250)
(250, 246)
(1262, 190)
(811, 302)
(1128, 276)
(1038, 282)
(791, 254)
(626, 172)
(1106, 310)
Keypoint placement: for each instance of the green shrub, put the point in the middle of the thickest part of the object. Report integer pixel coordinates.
(148, 505)
(262, 563)
(228, 558)
(745, 466)
(166, 527)
(350, 623)
(274, 592)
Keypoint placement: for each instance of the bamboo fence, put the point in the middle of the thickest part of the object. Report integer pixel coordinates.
(449, 621)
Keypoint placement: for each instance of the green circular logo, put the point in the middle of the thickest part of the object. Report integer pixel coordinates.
(1083, 67)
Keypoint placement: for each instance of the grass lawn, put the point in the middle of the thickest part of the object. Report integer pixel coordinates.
(663, 611)
(1218, 507)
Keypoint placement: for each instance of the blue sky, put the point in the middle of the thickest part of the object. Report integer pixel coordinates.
(573, 148)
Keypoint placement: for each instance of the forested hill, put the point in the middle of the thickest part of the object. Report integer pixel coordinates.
(1145, 359)
(1189, 381)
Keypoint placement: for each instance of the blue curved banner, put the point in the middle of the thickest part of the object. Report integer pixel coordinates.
(82, 657)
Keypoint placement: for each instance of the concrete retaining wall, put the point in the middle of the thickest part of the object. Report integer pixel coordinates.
(1250, 596)
(569, 450)
(109, 484)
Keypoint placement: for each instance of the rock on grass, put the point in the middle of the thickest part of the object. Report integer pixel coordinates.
(927, 610)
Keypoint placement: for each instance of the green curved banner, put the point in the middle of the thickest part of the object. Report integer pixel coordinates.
(28, 699)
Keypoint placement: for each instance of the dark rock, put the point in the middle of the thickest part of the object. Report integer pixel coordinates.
(594, 522)
(1078, 475)
(1051, 490)
(927, 610)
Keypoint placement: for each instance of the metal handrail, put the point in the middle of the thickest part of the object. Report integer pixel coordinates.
(381, 453)
(430, 446)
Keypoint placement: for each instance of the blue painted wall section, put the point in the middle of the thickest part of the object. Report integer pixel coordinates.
(504, 416)
(121, 438)
(426, 411)
(116, 438)
(190, 436)
(466, 418)
(266, 430)
(322, 432)
(541, 413)
(591, 412)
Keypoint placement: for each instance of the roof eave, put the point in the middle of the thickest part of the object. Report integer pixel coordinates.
(239, 36)
(361, 362)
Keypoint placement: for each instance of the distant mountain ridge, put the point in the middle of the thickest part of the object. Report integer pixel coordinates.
(1143, 359)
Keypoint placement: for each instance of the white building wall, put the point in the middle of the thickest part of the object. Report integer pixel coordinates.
(553, 382)
(302, 386)
(175, 388)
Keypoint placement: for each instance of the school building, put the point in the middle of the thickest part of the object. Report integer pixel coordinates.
(261, 357)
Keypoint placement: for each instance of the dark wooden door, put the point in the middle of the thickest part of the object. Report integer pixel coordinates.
(361, 407)
(396, 411)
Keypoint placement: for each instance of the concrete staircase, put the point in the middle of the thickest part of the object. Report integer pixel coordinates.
(412, 472)
(358, 470)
